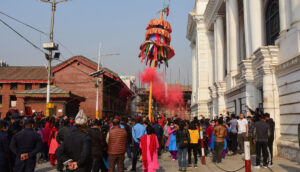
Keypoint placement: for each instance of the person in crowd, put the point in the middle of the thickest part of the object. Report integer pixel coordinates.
(233, 135)
(116, 140)
(46, 135)
(4, 147)
(25, 145)
(271, 123)
(158, 131)
(53, 145)
(149, 145)
(193, 144)
(256, 113)
(183, 139)
(251, 125)
(128, 129)
(171, 143)
(242, 132)
(97, 146)
(209, 134)
(261, 134)
(219, 132)
(138, 130)
(76, 147)
(166, 135)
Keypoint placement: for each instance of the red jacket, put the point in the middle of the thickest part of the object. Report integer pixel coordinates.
(46, 132)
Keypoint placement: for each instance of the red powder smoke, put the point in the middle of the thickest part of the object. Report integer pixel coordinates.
(171, 97)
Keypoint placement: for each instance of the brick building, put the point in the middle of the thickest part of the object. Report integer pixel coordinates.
(73, 88)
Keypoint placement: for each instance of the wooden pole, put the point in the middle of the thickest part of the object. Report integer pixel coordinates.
(151, 84)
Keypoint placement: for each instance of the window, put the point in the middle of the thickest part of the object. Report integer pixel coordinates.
(43, 85)
(28, 86)
(0, 101)
(13, 86)
(12, 101)
(272, 22)
(1, 86)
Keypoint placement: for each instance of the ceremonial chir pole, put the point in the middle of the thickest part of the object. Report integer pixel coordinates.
(156, 48)
(151, 83)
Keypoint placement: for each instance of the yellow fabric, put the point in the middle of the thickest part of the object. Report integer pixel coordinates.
(194, 136)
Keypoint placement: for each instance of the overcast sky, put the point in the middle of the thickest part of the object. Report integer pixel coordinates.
(81, 25)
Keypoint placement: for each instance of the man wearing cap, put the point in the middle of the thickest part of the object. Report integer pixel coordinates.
(25, 145)
(138, 130)
(76, 148)
(261, 134)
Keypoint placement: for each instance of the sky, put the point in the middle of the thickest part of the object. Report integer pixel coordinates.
(81, 25)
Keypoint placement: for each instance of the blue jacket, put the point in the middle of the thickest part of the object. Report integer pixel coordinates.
(138, 131)
(4, 151)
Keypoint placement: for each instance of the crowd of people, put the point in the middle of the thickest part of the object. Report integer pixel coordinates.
(81, 144)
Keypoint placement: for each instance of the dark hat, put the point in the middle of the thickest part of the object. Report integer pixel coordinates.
(267, 115)
(137, 119)
(3, 123)
(29, 121)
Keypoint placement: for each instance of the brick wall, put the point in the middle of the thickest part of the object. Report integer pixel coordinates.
(76, 79)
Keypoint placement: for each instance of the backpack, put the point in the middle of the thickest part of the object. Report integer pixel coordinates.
(183, 138)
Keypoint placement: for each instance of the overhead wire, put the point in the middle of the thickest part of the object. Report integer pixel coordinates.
(38, 30)
(27, 40)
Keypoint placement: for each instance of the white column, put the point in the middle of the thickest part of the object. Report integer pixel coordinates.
(285, 15)
(219, 48)
(232, 31)
(194, 73)
(253, 19)
(295, 6)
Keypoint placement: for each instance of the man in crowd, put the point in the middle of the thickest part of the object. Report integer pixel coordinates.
(138, 130)
(97, 146)
(233, 134)
(116, 140)
(25, 145)
(270, 138)
(76, 148)
(4, 147)
(220, 132)
(242, 132)
(158, 131)
(261, 134)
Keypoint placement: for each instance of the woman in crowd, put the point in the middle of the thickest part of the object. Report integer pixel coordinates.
(172, 141)
(183, 139)
(53, 145)
(149, 145)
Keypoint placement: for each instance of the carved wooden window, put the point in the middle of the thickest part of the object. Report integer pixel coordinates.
(272, 21)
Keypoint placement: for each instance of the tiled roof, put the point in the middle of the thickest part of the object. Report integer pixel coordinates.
(53, 90)
(23, 73)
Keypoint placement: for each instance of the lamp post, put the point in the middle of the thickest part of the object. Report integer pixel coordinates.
(51, 46)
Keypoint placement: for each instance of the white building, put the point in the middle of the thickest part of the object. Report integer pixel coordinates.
(247, 52)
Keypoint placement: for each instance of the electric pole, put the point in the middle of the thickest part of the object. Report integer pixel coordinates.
(100, 79)
(51, 46)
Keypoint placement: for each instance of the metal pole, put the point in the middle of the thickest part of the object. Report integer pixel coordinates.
(97, 92)
(50, 59)
(53, 9)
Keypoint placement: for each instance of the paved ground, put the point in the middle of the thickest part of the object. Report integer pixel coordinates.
(231, 163)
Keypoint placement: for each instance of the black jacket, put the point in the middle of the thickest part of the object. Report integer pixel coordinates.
(261, 131)
(158, 130)
(25, 141)
(77, 147)
(97, 141)
(62, 134)
(272, 128)
(182, 138)
(4, 151)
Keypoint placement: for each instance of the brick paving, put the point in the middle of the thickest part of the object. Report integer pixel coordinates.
(231, 163)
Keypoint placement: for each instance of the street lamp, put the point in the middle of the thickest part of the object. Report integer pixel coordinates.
(51, 46)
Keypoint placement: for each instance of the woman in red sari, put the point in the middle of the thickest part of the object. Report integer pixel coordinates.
(149, 145)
